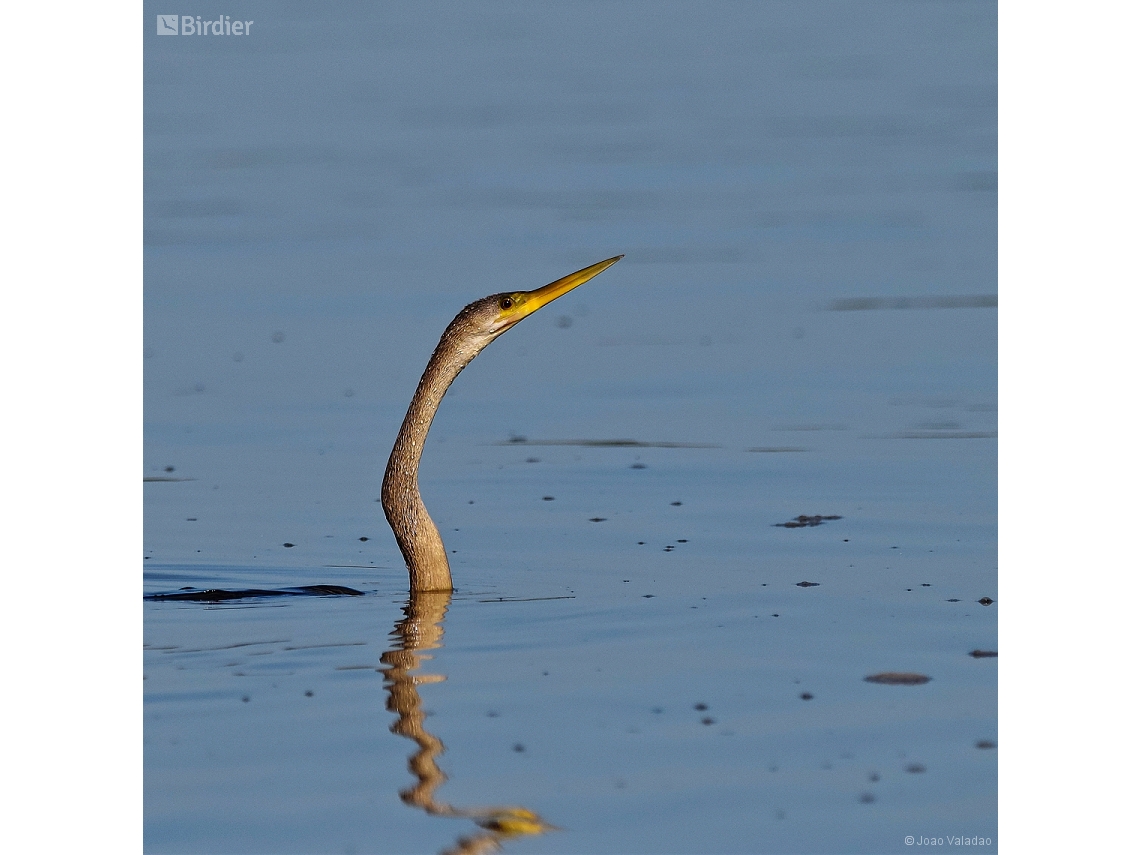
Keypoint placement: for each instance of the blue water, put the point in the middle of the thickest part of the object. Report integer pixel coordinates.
(806, 197)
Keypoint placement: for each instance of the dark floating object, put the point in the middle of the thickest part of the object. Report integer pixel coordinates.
(526, 599)
(605, 443)
(518, 747)
(986, 601)
(984, 744)
(983, 654)
(675, 504)
(867, 798)
(915, 768)
(807, 584)
(363, 539)
(216, 595)
(637, 466)
(288, 545)
(700, 707)
(954, 600)
(707, 720)
(945, 434)
(807, 696)
(898, 678)
(803, 521)
(548, 498)
(941, 301)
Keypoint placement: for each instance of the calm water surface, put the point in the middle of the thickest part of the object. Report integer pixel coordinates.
(804, 324)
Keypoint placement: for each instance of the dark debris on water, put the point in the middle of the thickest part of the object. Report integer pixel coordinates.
(898, 678)
(217, 595)
(803, 521)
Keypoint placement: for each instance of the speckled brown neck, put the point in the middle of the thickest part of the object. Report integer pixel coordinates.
(415, 532)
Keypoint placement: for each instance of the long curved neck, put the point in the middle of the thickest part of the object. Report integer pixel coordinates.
(415, 532)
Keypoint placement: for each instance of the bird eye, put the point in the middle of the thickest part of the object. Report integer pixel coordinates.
(506, 302)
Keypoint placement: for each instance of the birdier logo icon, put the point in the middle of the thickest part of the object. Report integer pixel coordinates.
(193, 25)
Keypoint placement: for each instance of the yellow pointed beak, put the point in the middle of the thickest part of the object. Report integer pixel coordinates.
(539, 297)
(516, 822)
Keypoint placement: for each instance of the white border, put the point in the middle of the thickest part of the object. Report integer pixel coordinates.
(72, 357)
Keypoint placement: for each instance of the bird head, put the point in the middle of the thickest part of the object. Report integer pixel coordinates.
(492, 316)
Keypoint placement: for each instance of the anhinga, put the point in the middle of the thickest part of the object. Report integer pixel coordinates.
(472, 330)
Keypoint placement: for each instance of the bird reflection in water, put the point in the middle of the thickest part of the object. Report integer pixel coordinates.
(421, 630)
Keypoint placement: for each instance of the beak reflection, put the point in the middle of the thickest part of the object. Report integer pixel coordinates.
(417, 633)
